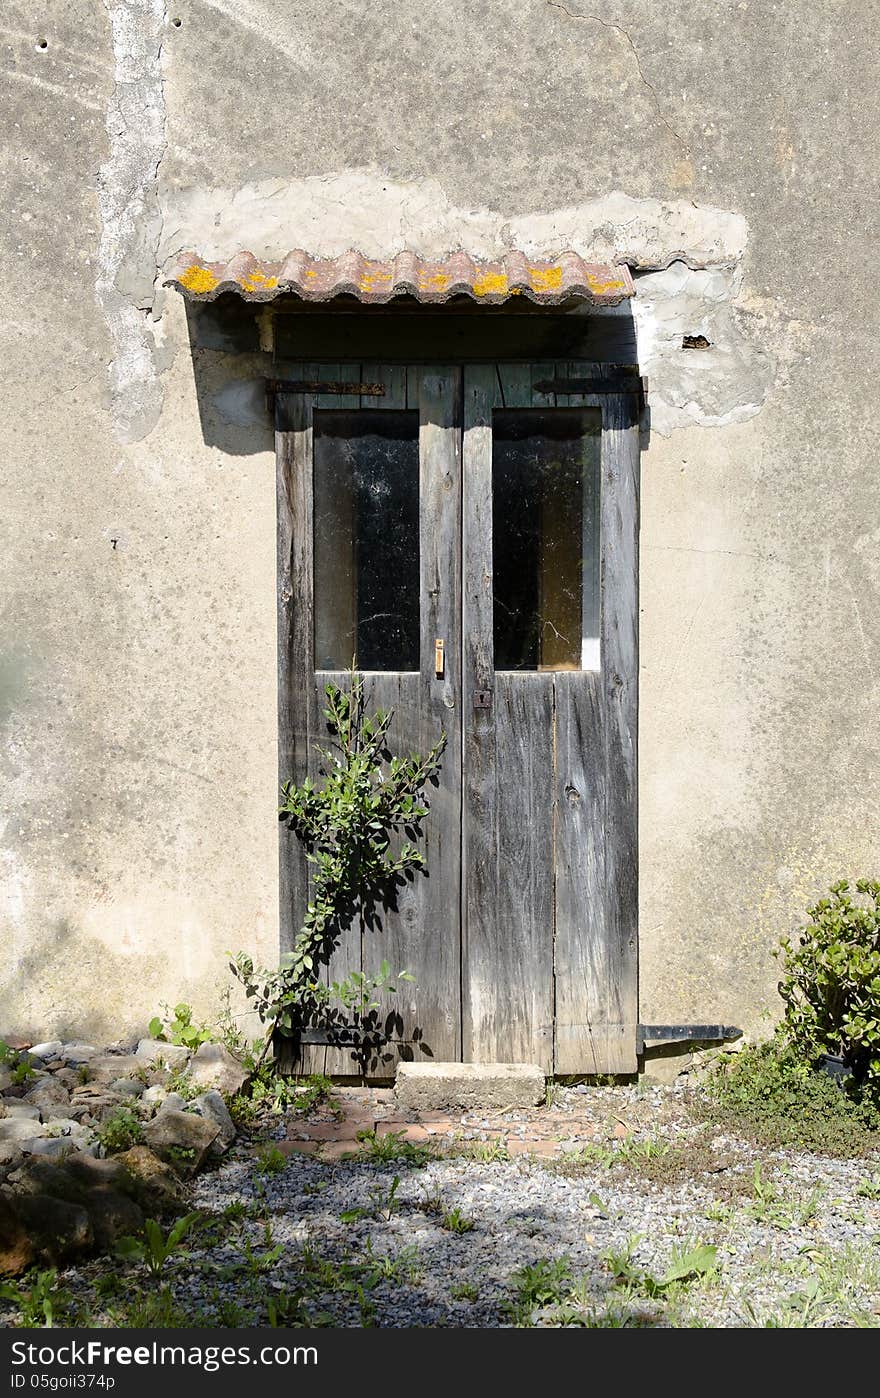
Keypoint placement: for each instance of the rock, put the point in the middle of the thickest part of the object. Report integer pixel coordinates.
(22, 1110)
(107, 1067)
(54, 1147)
(16, 1247)
(155, 1185)
(215, 1067)
(10, 1155)
(173, 1102)
(77, 1053)
(127, 1087)
(95, 1108)
(51, 1049)
(182, 1138)
(155, 1096)
(211, 1106)
(5, 1079)
(63, 1126)
(85, 1171)
(57, 1230)
(48, 1094)
(68, 1077)
(174, 1056)
(113, 1216)
(20, 1128)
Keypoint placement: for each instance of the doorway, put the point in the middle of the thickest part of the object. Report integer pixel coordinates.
(467, 534)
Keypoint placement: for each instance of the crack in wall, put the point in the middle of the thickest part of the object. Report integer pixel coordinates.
(627, 37)
(131, 218)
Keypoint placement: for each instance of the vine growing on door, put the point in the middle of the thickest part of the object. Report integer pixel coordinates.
(360, 827)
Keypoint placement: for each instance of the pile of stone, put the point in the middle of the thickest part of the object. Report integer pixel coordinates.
(63, 1193)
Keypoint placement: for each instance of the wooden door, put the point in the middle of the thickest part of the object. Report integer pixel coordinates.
(369, 529)
(550, 523)
(503, 521)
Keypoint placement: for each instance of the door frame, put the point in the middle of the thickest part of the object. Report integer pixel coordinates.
(607, 1043)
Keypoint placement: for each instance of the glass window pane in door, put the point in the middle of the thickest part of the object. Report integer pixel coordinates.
(366, 539)
(545, 538)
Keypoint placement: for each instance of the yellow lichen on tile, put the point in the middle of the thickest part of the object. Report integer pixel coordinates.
(256, 280)
(490, 284)
(545, 278)
(198, 279)
(433, 281)
(370, 280)
(602, 288)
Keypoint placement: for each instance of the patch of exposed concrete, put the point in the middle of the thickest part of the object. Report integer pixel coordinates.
(688, 260)
(130, 216)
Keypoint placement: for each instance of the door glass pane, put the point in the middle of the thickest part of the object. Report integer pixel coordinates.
(545, 538)
(366, 533)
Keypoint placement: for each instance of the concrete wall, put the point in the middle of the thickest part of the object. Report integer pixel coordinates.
(728, 150)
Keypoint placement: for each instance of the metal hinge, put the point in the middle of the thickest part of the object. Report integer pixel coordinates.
(337, 387)
(685, 1034)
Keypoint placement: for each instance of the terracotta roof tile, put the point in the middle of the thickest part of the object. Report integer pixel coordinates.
(544, 280)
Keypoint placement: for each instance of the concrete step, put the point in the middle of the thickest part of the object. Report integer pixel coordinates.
(431, 1086)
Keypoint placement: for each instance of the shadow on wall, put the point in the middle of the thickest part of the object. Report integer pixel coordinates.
(230, 368)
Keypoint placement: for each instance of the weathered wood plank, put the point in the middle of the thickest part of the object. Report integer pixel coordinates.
(513, 984)
(620, 612)
(582, 960)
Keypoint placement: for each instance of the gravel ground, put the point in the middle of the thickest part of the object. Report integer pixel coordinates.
(363, 1242)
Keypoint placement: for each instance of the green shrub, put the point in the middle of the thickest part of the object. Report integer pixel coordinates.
(770, 1094)
(120, 1131)
(831, 982)
(176, 1027)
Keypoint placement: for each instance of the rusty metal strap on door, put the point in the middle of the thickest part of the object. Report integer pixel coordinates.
(342, 388)
(596, 385)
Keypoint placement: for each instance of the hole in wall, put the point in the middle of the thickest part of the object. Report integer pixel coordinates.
(42, 44)
(177, 23)
(695, 342)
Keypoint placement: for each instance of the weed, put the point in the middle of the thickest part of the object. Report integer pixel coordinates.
(154, 1310)
(870, 1189)
(552, 1094)
(454, 1221)
(155, 1247)
(464, 1291)
(243, 1110)
(120, 1131)
(630, 1152)
(181, 1157)
(382, 1205)
(176, 1027)
(539, 1284)
(393, 1149)
(769, 1096)
(485, 1152)
(270, 1161)
(41, 1302)
(688, 1264)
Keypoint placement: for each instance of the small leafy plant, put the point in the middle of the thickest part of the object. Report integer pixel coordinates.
(271, 1161)
(155, 1247)
(20, 1068)
(120, 1131)
(392, 1148)
(42, 1302)
(454, 1221)
(175, 1026)
(831, 982)
(359, 830)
